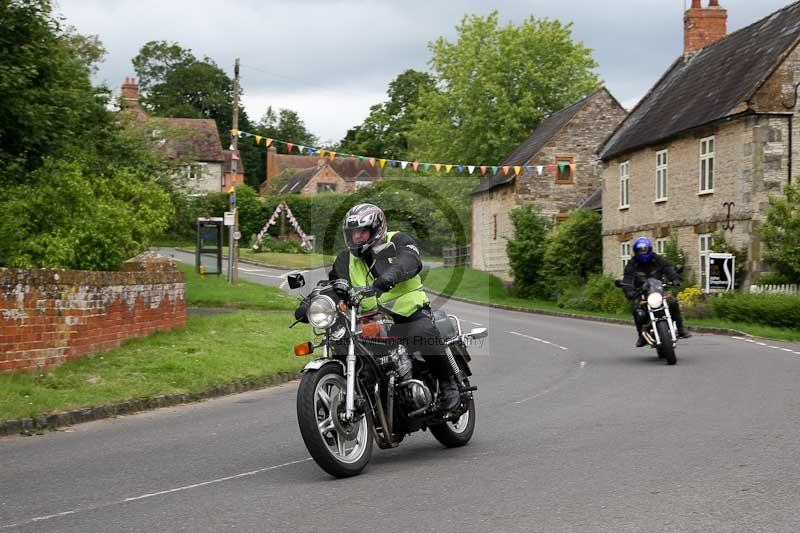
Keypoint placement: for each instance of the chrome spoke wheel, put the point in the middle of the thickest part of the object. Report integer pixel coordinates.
(461, 424)
(329, 407)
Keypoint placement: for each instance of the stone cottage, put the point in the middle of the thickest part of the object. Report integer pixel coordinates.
(565, 145)
(714, 137)
(194, 141)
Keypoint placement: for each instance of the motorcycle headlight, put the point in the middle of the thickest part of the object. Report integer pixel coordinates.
(321, 312)
(655, 300)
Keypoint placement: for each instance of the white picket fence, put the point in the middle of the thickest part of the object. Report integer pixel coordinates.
(775, 289)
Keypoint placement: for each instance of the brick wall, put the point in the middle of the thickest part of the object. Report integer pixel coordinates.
(48, 317)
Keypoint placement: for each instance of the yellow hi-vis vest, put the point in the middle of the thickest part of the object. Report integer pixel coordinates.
(404, 299)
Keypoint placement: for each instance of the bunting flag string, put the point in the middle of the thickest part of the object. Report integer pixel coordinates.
(560, 167)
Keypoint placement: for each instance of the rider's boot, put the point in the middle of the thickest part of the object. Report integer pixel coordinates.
(640, 339)
(448, 393)
(683, 333)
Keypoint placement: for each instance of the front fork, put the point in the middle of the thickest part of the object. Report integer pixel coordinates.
(350, 370)
(670, 322)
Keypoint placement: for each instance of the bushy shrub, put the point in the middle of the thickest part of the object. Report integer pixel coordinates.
(526, 250)
(781, 311)
(781, 232)
(693, 303)
(290, 246)
(598, 294)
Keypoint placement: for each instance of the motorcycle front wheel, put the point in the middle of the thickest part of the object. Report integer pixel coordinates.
(666, 349)
(341, 448)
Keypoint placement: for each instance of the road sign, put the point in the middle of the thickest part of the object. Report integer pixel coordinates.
(237, 235)
(720, 270)
(229, 218)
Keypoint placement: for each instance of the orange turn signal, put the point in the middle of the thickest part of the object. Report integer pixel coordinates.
(303, 349)
(373, 329)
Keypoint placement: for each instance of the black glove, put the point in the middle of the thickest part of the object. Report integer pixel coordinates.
(381, 284)
(301, 312)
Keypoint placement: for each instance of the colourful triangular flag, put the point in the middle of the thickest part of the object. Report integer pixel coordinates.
(437, 166)
(539, 169)
(258, 139)
(505, 170)
(333, 155)
(426, 166)
(234, 132)
(562, 166)
(289, 147)
(518, 169)
(403, 164)
(415, 165)
(483, 169)
(470, 168)
(494, 170)
(382, 162)
(361, 159)
(447, 168)
(322, 152)
(301, 149)
(572, 167)
(269, 141)
(372, 161)
(551, 168)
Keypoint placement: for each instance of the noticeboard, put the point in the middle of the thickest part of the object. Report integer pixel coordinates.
(720, 269)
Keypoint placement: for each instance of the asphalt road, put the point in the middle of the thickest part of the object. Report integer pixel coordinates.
(576, 431)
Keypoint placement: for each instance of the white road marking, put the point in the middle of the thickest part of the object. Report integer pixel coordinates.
(152, 494)
(766, 345)
(537, 339)
(548, 390)
(477, 324)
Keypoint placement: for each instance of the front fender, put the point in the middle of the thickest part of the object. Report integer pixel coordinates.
(316, 364)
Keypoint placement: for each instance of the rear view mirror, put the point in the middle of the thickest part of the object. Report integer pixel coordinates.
(295, 281)
(385, 251)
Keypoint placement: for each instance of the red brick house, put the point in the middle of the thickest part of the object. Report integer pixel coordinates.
(313, 174)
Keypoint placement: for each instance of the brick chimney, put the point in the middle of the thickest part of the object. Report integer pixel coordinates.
(130, 93)
(703, 26)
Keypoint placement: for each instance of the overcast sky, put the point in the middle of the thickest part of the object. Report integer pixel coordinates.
(330, 60)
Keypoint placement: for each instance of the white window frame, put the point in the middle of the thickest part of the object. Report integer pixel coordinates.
(705, 243)
(662, 175)
(624, 185)
(661, 245)
(625, 253)
(707, 164)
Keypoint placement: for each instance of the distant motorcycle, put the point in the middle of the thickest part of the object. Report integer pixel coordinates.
(366, 386)
(661, 331)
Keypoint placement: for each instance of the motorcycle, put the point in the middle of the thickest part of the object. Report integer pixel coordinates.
(366, 386)
(660, 332)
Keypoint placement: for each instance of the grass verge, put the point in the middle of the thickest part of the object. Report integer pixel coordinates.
(211, 351)
(483, 287)
(215, 291)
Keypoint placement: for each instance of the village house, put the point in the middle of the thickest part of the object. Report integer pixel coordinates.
(196, 142)
(313, 174)
(565, 145)
(704, 149)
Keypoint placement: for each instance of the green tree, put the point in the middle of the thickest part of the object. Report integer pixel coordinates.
(781, 232)
(574, 250)
(47, 102)
(385, 131)
(495, 85)
(526, 250)
(156, 59)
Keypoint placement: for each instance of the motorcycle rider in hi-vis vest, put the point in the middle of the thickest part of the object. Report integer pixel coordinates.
(398, 287)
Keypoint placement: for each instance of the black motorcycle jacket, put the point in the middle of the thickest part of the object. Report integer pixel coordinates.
(405, 265)
(658, 267)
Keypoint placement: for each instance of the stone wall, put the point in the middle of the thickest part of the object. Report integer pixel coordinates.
(48, 317)
(491, 229)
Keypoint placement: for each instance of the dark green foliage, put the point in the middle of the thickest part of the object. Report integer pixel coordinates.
(780, 311)
(46, 99)
(79, 185)
(598, 293)
(68, 218)
(527, 249)
(574, 250)
(781, 232)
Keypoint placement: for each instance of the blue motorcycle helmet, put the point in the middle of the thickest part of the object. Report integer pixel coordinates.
(643, 250)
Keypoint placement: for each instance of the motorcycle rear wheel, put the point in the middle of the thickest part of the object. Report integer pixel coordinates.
(666, 349)
(458, 433)
(340, 448)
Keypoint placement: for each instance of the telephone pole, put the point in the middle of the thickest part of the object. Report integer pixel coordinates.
(233, 247)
